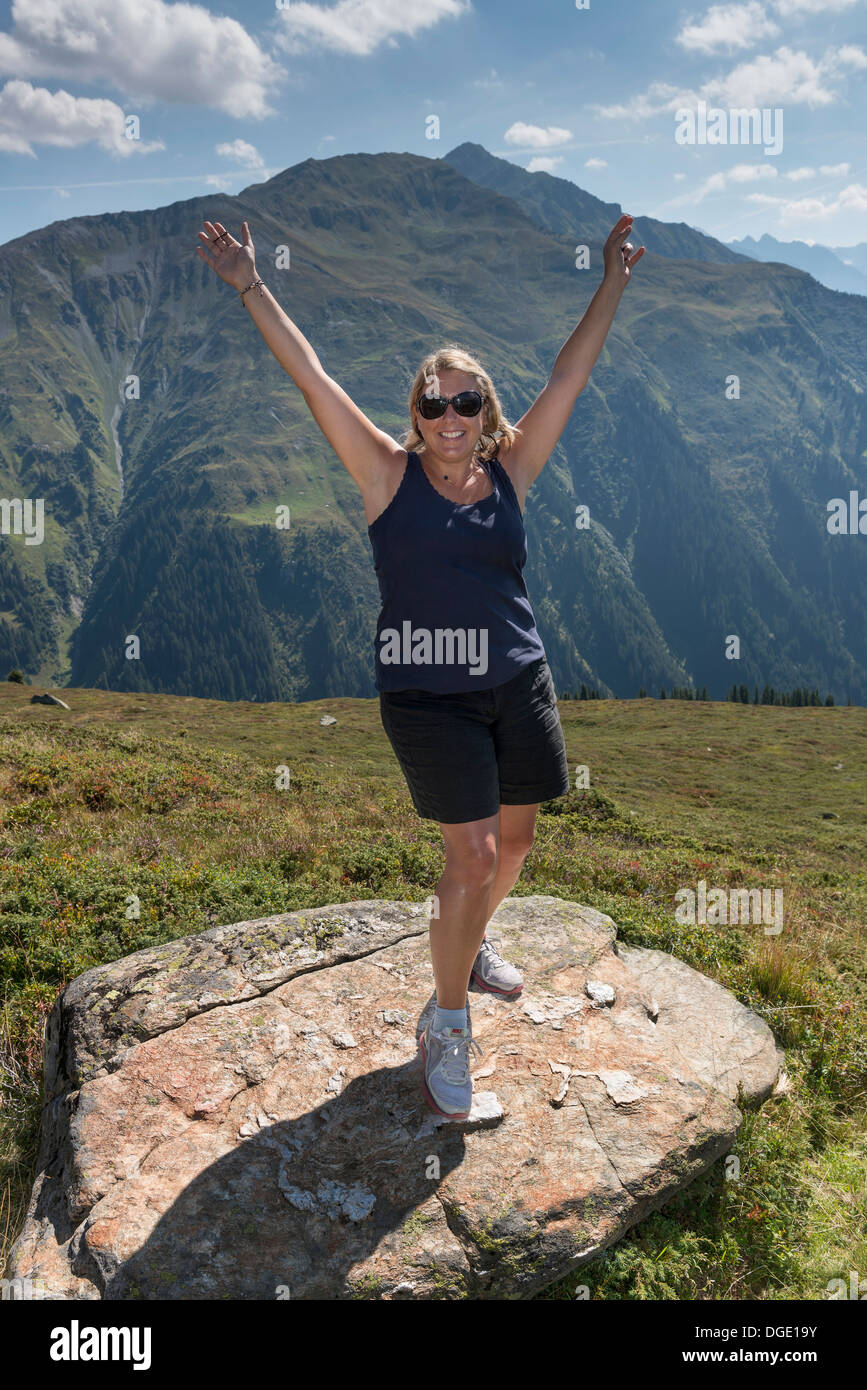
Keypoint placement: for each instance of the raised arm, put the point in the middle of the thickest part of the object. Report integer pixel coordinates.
(545, 421)
(363, 449)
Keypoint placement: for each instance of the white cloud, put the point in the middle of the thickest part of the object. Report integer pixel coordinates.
(786, 77)
(544, 163)
(807, 172)
(359, 27)
(750, 173)
(536, 137)
(850, 202)
(739, 173)
(727, 27)
(783, 78)
(715, 184)
(34, 116)
(241, 152)
(596, 164)
(789, 9)
(850, 55)
(718, 182)
(146, 49)
(659, 98)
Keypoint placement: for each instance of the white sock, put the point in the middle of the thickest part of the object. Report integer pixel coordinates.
(449, 1018)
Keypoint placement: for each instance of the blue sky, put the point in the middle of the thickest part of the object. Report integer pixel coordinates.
(228, 94)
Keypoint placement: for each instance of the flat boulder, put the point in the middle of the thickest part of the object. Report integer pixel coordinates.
(238, 1114)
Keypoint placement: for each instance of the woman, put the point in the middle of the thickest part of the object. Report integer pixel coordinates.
(466, 696)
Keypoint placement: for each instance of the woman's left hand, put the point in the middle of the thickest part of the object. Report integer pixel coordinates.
(618, 254)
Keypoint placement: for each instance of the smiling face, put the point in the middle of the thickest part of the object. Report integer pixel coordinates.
(451, 440)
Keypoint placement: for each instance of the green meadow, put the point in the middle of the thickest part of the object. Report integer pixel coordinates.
(175, 800)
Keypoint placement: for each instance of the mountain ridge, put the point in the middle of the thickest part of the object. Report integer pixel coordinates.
(558, 205)
(824, 263)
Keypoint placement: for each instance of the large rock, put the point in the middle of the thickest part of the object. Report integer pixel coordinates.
(47, 699)
(238, 1114)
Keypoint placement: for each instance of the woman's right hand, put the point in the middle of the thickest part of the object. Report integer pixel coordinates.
(234, 261)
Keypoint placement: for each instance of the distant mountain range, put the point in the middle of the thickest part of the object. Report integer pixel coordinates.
(837, 267)
(140, 403)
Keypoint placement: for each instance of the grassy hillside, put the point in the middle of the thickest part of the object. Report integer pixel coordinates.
(173, 799)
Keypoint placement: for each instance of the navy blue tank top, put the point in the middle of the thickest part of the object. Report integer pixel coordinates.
(455, 612)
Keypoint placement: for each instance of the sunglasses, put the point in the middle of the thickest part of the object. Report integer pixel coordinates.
(466, 403)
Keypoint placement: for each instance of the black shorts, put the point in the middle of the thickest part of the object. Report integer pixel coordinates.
(464, 755)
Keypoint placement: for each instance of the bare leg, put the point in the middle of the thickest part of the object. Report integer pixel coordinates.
(463, 894)
(517, 832)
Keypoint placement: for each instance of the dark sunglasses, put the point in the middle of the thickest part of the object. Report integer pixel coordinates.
(466, 403)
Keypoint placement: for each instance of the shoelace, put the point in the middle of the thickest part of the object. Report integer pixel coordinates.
(455, 1062)
(497, 958)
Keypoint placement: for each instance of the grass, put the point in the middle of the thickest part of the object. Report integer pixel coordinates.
(134, 819)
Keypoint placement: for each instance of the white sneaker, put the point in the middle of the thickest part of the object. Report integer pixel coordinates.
(445, 1079)
(493, 975)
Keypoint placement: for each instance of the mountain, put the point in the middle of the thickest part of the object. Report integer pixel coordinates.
(140, 403)
(824, 263)
(562, 208)
(853, 255)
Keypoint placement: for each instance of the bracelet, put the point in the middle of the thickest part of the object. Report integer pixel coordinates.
(252, 285)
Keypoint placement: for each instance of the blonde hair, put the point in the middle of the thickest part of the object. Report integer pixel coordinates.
(495, 426)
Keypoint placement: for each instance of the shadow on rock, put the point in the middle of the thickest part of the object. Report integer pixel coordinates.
(299, 1203)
